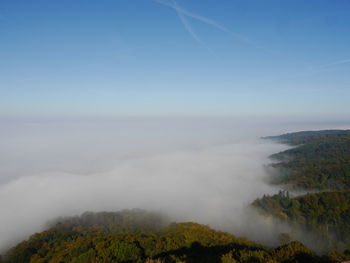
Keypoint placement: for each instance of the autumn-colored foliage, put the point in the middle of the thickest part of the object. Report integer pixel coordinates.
(80, 240)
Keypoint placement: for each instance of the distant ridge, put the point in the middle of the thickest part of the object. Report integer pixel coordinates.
(301, 137)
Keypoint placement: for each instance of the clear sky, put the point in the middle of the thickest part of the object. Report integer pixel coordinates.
(160, 57)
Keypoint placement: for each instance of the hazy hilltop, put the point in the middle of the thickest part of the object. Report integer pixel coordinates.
(120, 237)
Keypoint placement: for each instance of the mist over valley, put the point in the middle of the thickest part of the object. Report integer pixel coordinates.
(206, 170)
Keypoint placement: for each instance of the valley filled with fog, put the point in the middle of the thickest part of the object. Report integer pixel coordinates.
(206, 170)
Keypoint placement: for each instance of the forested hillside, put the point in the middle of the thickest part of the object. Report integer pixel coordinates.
(320, 161)
(115, 237)
(326, 215)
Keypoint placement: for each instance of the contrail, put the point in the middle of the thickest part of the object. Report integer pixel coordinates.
(182, 12)
(189, 28)
(208, 21)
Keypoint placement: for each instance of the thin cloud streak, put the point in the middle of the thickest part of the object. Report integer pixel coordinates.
(208, 21)
(335, 63)
(189, 28)
(183, 12)
(328, 66)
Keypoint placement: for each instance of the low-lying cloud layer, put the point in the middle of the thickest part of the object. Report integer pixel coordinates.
(204, 170)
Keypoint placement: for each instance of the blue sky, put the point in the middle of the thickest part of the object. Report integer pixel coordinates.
(189, 57)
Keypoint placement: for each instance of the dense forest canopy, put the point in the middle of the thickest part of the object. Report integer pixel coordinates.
(115, 237)
(325, 214)
(319, 161)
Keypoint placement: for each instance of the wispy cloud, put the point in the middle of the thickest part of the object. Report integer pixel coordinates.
(183, 12)
(335, 63)
(189, 28)
(329, 66)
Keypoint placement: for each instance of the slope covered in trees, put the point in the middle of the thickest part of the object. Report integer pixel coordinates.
(326, 214)
(320, 161)
(108, 237)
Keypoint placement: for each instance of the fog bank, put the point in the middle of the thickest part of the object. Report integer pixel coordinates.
(203, 170)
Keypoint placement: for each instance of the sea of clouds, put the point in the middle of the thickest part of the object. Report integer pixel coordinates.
(206, 170)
